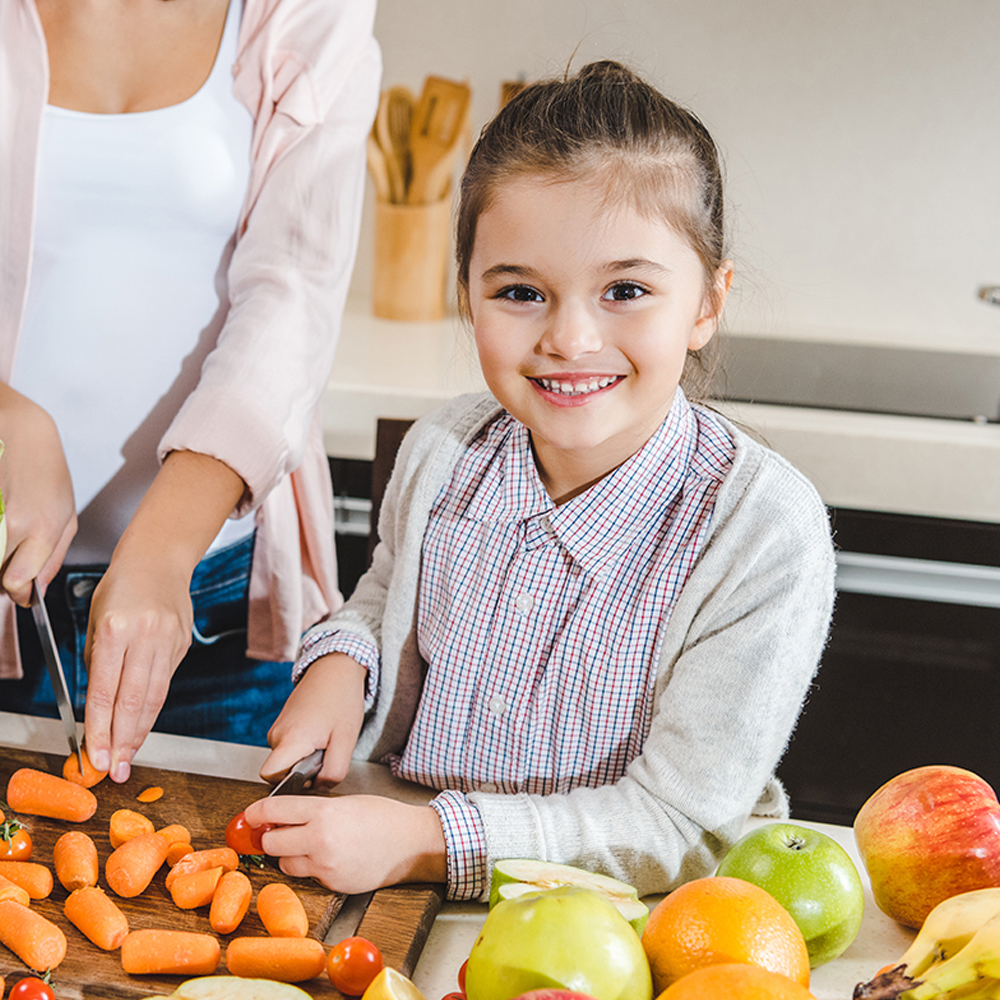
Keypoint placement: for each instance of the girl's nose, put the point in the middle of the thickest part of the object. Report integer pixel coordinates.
(571, 331)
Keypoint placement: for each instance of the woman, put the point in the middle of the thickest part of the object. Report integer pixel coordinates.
(185, 181)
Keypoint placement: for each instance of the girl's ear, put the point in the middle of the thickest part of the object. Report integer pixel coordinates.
(711, 307)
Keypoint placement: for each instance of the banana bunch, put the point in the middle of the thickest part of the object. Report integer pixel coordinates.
(955, 955)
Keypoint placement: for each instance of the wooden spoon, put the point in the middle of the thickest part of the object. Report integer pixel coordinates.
(392, 129)
(439, 119)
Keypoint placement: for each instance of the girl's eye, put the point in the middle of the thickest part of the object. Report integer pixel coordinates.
(624, 291)
(520, 293)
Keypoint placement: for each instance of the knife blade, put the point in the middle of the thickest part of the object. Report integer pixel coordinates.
(298, 774)
(44, 629)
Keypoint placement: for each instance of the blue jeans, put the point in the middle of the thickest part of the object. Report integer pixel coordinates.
(216, 692)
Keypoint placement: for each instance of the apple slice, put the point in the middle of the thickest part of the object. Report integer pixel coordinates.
(514, 877)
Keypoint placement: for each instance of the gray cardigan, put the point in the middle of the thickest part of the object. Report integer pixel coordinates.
(739, 652)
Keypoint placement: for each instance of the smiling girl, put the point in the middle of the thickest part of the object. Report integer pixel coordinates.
(596, 606)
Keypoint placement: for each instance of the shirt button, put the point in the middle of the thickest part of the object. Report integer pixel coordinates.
(487, 786)
(546, 525)
(497, 705)
(524, 603)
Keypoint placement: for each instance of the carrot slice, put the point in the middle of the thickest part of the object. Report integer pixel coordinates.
(42, 794)
(175, 833)
(35, 879)
(198, 861)
(38, 942)
(230, 902)
(196, 889)
(176, 851)
(131, 867)
(150, 794)
(75, 859)
(153, 951)
(90, 775)
(281, 911)
(97, 916)
(289, 960)
(11, 890)
(126, 824)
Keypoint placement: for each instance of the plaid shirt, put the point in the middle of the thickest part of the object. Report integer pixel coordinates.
(541, 625)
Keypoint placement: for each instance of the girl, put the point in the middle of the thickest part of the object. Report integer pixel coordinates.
(595, 608)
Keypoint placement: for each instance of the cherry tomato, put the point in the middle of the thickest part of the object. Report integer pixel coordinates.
(31, 988)
(15, 841)
(244, 838)
(454, 996)
(353, 964)
(461, 977)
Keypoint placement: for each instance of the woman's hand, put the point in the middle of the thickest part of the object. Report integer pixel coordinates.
(325, 711)
(352, 843)
(141, 614)
(37, 494)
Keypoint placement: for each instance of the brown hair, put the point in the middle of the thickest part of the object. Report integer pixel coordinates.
(609, 125)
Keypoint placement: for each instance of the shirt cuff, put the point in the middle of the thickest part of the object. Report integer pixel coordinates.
(323, 643)
(465, 841)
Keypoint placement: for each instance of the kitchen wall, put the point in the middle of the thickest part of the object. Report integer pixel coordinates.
(861, 140)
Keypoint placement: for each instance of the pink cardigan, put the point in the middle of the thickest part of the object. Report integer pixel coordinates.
(309, 72)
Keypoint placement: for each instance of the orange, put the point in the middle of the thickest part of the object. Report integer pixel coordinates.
(717, 920)
(734, 981)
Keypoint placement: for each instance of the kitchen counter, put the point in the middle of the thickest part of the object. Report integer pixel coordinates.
(866, 461)
(879, 942)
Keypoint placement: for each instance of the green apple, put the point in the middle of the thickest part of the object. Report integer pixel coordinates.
(568, 938)
(811, 875)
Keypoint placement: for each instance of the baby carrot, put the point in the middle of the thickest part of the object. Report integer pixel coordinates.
(175, 833)
(97, 916)
(131, 867)
(89, 777)
(197, 861)
(196, 889)
(35, 879)
(75, 858)
(11, 890)
(126, 824)
(281, 911)
(42, 794)
(230, 902)
(177, 850)
(170, 953)
(38, 942)
(289, 960)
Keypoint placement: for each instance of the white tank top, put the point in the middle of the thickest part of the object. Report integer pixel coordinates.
(135, 221)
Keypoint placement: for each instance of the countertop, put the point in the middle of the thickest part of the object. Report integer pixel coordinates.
(866, 461)
(879, 942)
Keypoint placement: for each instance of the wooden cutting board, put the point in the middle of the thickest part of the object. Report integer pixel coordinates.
(397, 919)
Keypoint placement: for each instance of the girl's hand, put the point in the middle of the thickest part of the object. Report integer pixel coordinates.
(352, 843)
(325, 710)
(37, 494)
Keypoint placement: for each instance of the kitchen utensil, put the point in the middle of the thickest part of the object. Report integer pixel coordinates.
(397, 919)
(439, 119)
(392, 130)
(378, 170)
(509, 89)
(44, 628)
(298, 774)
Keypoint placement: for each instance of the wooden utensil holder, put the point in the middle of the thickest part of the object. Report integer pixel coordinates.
(412, 245)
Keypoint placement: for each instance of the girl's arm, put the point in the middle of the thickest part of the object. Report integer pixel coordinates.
(37, 495)
(141, 615)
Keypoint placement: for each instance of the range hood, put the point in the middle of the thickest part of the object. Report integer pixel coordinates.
(896, 380)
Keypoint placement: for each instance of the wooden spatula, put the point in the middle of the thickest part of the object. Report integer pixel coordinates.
(439, 119)
(392, 126)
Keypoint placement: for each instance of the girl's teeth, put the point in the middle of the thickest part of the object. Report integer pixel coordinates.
(576, 388)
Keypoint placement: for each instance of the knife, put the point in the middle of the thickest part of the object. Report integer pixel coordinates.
(44, 628)
(298, 774)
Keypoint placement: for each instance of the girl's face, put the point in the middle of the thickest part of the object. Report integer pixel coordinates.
(583, 316)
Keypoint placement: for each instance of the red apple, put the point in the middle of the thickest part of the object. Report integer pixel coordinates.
(926, 835)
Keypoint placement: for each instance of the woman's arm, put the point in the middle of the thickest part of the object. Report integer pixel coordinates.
(37, 494)
(141, 615)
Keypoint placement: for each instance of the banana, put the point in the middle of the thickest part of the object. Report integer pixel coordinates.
(948, 928)
(977, 961)
(979, 989)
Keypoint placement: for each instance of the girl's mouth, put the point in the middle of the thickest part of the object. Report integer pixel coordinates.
(580, 387)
